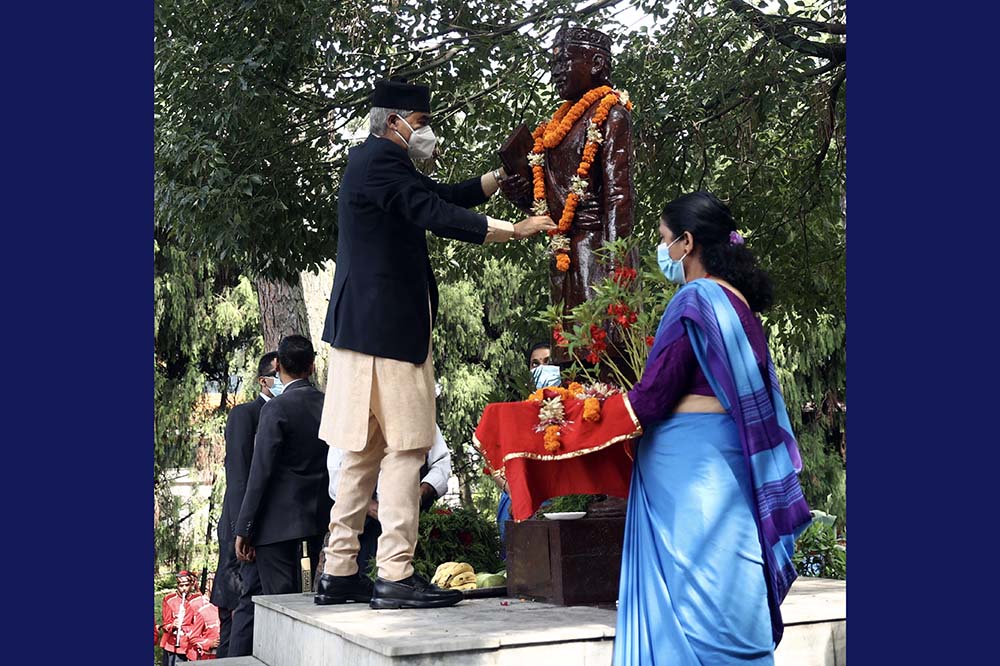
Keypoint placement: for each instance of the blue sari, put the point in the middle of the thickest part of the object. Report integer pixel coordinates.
(714, 508)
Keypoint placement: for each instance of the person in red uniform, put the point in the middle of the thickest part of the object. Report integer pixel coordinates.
(180, 610)
(204, 637)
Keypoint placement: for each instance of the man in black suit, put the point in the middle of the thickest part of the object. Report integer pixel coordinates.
(379, 405)
(286, 501)
(236, 582)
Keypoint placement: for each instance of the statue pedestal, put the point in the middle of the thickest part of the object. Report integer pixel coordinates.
(565, 562)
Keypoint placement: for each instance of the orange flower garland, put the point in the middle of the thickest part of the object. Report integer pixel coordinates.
(549, 135)
(552, 443)
(552, 413)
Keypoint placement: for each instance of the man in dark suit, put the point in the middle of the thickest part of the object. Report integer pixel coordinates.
(379, 405)
(286, 501)
(236, 582)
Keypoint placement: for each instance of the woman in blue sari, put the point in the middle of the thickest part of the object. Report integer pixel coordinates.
(715, 504)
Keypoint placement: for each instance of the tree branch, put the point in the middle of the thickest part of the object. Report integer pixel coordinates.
(819, 71)
(780, 29)
(537, 16)
(834, 90)
(815, 26)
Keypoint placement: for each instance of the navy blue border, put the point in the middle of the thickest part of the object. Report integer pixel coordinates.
(78, 311)
(78, 303)
(921, 248)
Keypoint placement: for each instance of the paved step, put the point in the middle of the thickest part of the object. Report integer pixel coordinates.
(292, 631)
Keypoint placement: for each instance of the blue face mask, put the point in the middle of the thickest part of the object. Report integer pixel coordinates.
(673, 269)
(278, 387)
(545, 376)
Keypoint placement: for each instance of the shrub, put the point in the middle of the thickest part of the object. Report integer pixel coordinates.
(458, 535)
(817, 553)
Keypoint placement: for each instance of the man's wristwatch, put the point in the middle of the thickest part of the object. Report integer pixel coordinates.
(496, 175)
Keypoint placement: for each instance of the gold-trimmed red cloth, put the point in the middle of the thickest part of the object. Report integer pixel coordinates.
(595, 458)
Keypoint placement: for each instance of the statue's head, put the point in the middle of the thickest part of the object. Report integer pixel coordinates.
(581, 61)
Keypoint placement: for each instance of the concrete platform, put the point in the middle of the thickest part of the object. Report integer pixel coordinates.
(292, 631)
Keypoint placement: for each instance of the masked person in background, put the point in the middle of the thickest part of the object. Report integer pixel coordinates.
(237, 582)
(543, 374)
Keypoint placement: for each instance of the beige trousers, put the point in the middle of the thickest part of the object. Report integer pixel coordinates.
(394, 400)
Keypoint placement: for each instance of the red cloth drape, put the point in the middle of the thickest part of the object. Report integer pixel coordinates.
(594, 457)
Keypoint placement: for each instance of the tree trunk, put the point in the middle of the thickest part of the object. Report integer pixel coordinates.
(282, 310)
(316, 289)
(465, 492)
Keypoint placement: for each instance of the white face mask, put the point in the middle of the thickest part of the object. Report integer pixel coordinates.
(421, 143)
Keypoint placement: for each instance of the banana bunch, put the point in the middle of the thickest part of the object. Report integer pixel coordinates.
(455, 576)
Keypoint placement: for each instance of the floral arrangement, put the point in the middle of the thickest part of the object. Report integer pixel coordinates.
(550, 134)
(628, 302)
(552, 408)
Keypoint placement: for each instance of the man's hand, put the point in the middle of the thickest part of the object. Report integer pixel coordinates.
(532, 225)
(517, 190)
(373, 509)
(244, 551)
(428, 495)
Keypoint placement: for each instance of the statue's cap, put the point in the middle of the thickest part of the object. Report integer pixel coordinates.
(398, 94)
(574, 34)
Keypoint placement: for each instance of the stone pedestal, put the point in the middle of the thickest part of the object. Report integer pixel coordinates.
(290, 630)
(565, 562)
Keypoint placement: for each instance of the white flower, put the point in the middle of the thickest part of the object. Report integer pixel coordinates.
(599, 390)
(536, 159)
(559, 243)
(594, 134)
(551, 410)
(578, 186)
(623, 97)
(540, 207)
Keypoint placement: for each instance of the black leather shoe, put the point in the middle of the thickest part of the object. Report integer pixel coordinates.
(341, 589)
(412, 592)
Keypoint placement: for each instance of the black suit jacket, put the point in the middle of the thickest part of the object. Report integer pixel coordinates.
(379, 301)
(287, 493)
(241, 426)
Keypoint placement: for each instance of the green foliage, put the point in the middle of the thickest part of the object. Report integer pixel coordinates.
(567, 503)
(823, 478)
(206, 329)
(818, 554)
(481, 338)
(456, 536)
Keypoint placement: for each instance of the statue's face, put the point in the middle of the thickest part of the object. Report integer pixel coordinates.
(577, 69)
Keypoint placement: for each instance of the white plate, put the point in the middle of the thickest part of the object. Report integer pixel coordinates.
(565, 515)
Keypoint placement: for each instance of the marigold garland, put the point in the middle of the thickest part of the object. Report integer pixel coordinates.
(550, 134)
(552, 443)
(552, 413)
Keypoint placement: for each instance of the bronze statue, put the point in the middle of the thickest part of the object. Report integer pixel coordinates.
(581, 63)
